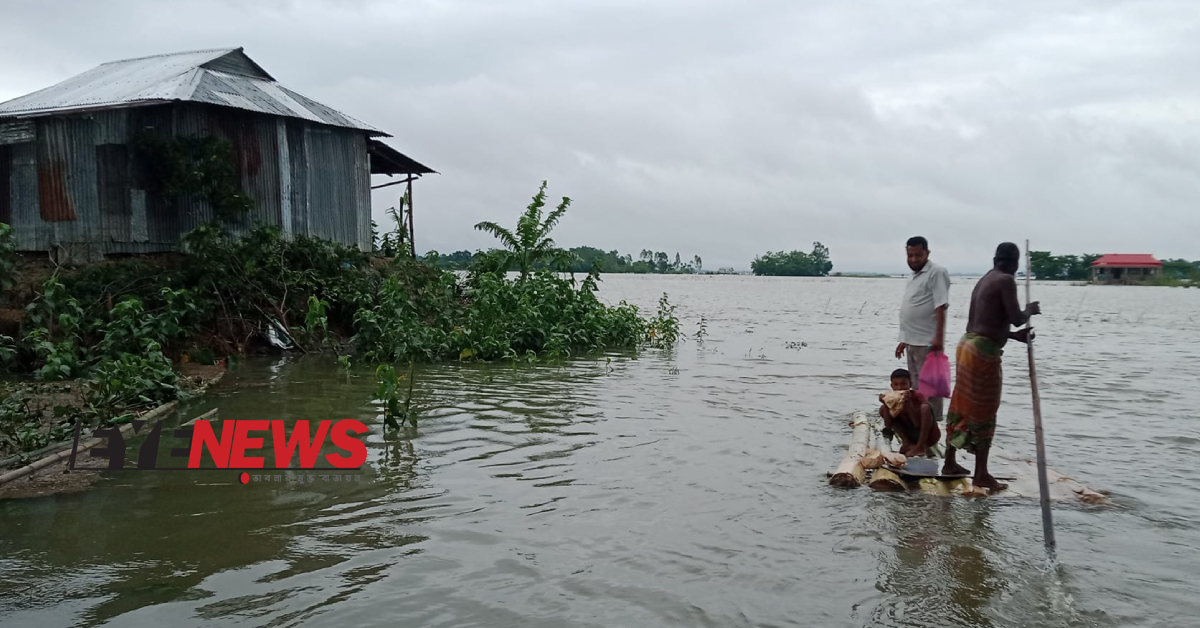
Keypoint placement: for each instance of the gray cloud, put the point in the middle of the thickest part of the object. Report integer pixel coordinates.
(727, 129)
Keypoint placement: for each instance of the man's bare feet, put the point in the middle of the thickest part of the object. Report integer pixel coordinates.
(953, 468)
(989, 482)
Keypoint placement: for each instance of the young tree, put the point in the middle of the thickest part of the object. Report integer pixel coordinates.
(530, 244)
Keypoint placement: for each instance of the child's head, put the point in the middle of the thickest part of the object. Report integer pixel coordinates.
(901, 380)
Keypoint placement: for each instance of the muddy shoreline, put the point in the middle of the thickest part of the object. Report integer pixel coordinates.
(56, 478)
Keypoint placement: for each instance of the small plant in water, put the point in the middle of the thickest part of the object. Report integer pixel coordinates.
(663, 330)
(702, 331)
(316, 321)
(388, 391)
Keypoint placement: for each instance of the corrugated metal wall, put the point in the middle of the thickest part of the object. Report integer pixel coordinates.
(16, 132)
(5, 184)
(362, 185)
(84, 184)
(67, 191)
(298, 167)
(160, 218)
(256, 153)
(335, 162)
(29, 231)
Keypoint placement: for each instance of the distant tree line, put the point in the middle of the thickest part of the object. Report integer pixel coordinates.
(794, 263)
(582, 259)
(1181, 269)
(1079, 267)
(1062, 267)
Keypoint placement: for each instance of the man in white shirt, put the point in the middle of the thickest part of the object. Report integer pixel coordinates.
(923, 313)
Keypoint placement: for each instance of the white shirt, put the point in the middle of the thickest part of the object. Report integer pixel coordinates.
(926, 291)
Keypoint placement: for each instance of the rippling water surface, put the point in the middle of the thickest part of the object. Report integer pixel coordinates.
(681, 489)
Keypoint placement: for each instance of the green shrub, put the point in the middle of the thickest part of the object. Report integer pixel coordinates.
(130, 381)
(116, 325)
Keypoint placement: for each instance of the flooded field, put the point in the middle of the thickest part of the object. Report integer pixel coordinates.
(680, 489)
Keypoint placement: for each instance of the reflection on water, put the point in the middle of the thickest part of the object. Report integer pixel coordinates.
(670, 489)
(937, 567)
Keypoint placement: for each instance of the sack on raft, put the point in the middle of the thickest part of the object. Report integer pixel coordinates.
(894, 400)
(894, 459)
(873, 459)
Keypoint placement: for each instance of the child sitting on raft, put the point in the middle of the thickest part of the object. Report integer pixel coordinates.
(906, 413)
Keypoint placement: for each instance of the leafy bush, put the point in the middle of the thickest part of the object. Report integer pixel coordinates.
(129, 381)
(58, 360)
(263, 277)
(22, 428)
(663, 329)
(496, 318)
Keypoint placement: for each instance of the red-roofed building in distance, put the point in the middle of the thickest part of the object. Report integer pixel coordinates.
(1125, 268)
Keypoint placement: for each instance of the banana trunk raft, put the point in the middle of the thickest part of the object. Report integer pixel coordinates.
(883, 470)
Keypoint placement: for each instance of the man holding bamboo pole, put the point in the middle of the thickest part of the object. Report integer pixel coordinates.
(971, 420)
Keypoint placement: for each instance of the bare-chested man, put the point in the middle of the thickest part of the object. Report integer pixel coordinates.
(971, 420)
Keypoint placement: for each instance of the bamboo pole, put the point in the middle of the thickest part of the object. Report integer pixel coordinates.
(391, 183)
(412, 238)
(850, 472)
(1043, 482)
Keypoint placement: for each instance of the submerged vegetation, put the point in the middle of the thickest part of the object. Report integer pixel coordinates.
(116, 329)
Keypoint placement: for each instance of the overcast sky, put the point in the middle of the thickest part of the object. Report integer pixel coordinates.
(726, 129)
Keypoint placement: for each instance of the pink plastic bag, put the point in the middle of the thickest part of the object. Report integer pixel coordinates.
(935, 375)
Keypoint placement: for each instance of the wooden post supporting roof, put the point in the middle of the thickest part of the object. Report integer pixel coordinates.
(411, 232)
(387, 160)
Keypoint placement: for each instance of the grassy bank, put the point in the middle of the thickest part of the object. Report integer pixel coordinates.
(111, 337)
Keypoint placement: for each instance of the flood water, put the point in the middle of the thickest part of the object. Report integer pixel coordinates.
(671, 489)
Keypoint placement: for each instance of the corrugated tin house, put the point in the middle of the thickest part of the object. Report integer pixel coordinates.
(74, 181)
